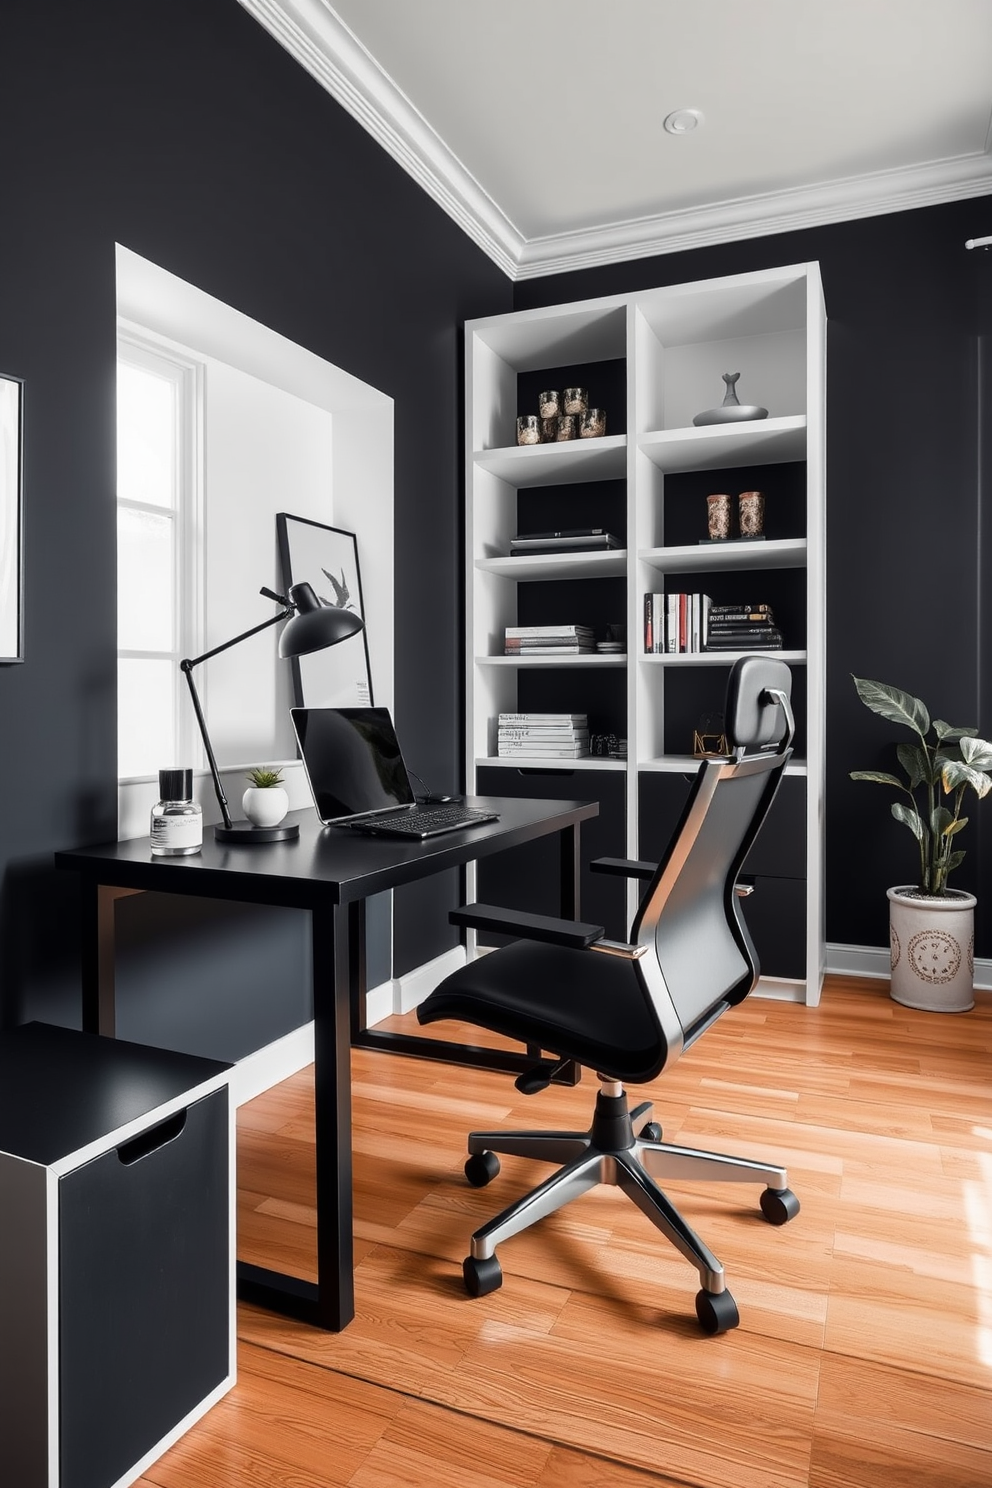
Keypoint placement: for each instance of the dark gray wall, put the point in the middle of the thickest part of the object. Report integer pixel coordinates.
(909, 536)
(184, 132)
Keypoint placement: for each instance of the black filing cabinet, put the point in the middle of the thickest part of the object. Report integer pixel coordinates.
(776, 912)
(116, 1253)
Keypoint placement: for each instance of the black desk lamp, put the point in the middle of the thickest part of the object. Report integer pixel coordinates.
(312, 627)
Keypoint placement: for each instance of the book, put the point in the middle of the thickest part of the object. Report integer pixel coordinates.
(744, 630)
(556, 650)
(542, 736)
(740, 609)
(564, 542)
(558, 751)
(745, 643)
(582, 718)
(522, 631)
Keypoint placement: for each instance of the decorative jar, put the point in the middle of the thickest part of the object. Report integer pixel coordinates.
(528, 429)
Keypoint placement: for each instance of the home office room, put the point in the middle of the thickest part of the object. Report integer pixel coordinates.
(589, 424)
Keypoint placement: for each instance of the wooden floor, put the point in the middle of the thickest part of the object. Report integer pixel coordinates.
(864, 1354)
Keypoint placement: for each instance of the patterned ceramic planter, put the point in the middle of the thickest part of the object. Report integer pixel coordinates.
(933, 949)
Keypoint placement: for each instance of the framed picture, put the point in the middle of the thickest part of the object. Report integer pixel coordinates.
(327, 559)
(11, 516)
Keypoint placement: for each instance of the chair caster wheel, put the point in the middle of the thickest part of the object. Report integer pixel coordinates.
(482, 1277)
(779, 1205)
(716, 1311)
(650, 1132)
(481, 1168)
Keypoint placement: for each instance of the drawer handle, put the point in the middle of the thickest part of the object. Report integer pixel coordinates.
(151, 1140)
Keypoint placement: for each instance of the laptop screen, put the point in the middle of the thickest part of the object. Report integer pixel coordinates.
(353, 761)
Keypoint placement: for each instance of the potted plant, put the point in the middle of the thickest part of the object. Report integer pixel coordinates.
(931, 926)
(265, 802)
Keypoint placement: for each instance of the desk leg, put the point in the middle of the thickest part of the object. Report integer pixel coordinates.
(331, 1303)
(568, 861)
(98, 903)
(332, 963)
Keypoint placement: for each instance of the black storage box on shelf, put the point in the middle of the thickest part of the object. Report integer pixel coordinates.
(116, 1253)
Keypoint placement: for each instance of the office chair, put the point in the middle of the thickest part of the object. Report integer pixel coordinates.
(628, 1012)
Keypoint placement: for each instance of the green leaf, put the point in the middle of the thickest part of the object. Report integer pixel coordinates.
(880, 776)
(940, 820)
(956, 826)
(956, 773)
(893, 704)
(914, 760)
(977, 752)
(954, 861)
(944, 731)
(909, 818)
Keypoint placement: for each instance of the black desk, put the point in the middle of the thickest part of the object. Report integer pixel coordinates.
(330, 873)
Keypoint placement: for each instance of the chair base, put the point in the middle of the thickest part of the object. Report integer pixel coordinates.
(610, 1152)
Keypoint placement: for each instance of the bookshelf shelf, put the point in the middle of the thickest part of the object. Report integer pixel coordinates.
(606, 565)
(531, 762)
(550, 464)
(590, 659)
(654, 358)
(724, 446)
(716, 658)
(788, 552)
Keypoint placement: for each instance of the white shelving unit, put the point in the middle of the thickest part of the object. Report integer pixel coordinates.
(676, 342)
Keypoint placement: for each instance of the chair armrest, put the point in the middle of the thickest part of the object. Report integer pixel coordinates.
(572, 933)
(744, 886)
(624, 867)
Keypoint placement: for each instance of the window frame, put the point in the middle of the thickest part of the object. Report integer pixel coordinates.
(145, 350)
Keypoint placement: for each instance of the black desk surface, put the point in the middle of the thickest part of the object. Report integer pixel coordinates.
(325, 864)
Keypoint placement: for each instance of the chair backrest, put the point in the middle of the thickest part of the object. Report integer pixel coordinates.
(700, 959)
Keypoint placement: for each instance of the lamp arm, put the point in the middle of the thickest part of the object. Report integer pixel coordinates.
(273, 620)
(186, 667)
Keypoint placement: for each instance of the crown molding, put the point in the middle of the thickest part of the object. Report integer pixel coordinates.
(320, 42)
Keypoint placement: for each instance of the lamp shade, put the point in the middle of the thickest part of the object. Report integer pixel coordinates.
(315, 625)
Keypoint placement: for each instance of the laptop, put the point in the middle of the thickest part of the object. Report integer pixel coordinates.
(355, 768)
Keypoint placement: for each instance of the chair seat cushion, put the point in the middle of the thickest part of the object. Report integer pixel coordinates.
(579, 1005)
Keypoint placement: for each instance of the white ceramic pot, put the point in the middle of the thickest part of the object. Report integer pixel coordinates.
(265, 806)
(932, 941)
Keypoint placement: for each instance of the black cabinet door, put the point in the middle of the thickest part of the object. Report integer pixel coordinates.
(527, 877)
(776, 911)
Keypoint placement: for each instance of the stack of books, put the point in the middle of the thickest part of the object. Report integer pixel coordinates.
(676, 623)
(548, 640)
(544, 735)
(743, 627)
(570, 540)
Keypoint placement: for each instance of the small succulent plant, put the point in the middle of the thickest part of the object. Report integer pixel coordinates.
(264, 778)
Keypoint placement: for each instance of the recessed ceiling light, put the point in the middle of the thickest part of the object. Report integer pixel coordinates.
(683, 121)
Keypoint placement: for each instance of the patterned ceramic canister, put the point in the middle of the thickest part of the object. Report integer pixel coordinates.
(718, 517)
(751, 512)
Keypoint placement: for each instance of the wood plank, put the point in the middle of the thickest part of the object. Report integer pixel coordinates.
(864, 1350)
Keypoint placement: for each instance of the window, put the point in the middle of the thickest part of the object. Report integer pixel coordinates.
(158, 585)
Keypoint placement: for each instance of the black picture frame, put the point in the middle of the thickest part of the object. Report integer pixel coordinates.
(327, 558)
(11, 519)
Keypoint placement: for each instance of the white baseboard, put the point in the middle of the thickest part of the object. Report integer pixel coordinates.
(276, 1061)
(410, 989)
(873, 961)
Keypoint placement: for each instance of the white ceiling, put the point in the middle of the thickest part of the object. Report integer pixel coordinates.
(538, 124)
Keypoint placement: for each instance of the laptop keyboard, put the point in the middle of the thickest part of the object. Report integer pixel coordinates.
(426, 821)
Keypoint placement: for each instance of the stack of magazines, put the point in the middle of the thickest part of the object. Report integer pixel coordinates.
(543, 735)
(548, 640)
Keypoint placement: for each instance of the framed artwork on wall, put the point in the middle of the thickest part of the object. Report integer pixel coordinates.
(11, 518)
(327, 559)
